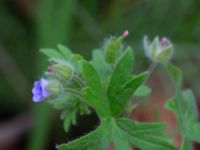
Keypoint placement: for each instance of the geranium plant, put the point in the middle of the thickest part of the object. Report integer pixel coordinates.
(106, 84)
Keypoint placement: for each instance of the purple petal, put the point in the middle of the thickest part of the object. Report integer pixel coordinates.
(44, 91)
(36, 91)
(38, 98)
(37, 84)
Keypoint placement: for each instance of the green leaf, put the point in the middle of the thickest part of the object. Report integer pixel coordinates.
(183, 104)
(131, 126)
(189, 102)
(141, 134)
(119, 76)
(75, 60)
(96, 139)
(149, 142)
(94, 92)
(175, 73)
(186, 145)
(193, 131)
(169, 104)
(52, 53)
(142, 91)
(65, 51)
(121, 72)
(100, 64)
(120, 139)
(127, 90)
(69, 117)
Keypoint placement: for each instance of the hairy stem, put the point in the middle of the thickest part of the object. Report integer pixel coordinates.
(78, 80)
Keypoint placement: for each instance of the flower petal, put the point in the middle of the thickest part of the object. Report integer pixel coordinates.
(38, 98)
(44, 91)
(36, 91)
(37, 84)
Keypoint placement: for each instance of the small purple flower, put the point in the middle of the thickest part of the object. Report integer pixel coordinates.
(39, 91)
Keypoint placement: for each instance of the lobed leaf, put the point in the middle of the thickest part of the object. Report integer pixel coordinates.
(94, 140)
(120, 139)
(131, 126)
(52, 53)
(143, 90)
(94, 92)
(149, 142)
(65, 51)
(183, 104)
(127, 90)
(100, 64)
(116, 93)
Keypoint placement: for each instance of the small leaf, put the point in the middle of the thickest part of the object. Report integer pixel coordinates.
(127, 91)
(149, 142)
(94, 92)
(193, 131)
(169, 104)
(142, 91)
(65, 51)
(121, 71)
(190, 103)
(116, 93)
(186, 145)
(175, 73)
(100, 64)
(75, 60)
(120, 139)
(183, 104)
(95, 139)
(52, 53)
(69, 117)
(131, 126)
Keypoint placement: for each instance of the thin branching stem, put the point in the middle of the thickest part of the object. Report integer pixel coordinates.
(76, 93)
(150, 70)
(78, 80)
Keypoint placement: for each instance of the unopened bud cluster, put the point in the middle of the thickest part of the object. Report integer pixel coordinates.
(113, 47)
(159, 50)
(51, 85)
(62, 71)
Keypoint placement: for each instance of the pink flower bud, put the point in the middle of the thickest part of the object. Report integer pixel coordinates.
(164, 42)
(50, 69)
(125, 34)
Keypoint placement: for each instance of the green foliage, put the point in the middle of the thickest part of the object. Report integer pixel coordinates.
(94, 92)
(142, 91)
(139, 127)
(107, 88)
(149, 142)
(53, 21)
(100, 64)
(119, 89)
(93, 139)
(63, 53)
(184, 106)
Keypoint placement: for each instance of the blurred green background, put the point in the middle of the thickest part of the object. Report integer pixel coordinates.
(27, 25)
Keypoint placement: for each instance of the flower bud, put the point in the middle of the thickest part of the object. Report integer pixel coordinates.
(54, 87)
(44, 89)
(63, 71)
(159, 50)
(113, 46)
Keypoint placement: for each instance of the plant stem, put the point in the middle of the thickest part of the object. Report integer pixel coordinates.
(76, 93)
(78, 80)
(150, 70)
